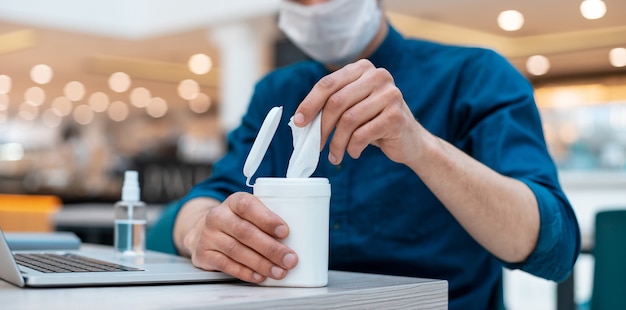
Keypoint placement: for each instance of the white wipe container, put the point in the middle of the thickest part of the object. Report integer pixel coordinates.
(303, 203)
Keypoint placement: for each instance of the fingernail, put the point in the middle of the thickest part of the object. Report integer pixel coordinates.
(257, 277)
(332, 158)
(298, 118)
(281, 231)
(289, 261)
(277, 272)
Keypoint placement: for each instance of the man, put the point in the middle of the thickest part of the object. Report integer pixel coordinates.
(447, 174)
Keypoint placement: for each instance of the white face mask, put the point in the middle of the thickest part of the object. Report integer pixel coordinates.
(334, 32)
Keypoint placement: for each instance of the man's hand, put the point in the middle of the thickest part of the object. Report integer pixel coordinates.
(237, 237)
(364, 106)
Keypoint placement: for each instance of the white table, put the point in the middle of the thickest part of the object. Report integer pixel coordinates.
(345, 290)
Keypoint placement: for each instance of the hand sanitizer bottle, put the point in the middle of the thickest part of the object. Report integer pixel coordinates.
(130, 218)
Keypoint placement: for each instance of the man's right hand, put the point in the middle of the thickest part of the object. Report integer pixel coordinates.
(238, 237)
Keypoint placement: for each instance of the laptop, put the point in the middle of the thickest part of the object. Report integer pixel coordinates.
(97, 265)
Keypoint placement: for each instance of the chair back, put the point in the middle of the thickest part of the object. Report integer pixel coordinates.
(609, 278)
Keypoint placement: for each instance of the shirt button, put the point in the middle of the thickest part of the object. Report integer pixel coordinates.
(338, 167)
(336, 226)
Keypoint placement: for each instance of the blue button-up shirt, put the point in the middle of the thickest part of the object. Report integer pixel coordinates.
(383, 217)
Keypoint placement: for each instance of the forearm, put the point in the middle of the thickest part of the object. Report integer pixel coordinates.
(499, 212)
(189, 215)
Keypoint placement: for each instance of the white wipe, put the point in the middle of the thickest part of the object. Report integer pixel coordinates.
(306, 148)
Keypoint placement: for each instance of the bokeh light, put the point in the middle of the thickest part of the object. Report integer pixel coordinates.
(5, 84)
(200, 64)
(617, 57)
(41, 74)
(118, 111)
(140, 97)
(35, 96)
(119, 82)
(74, 91)
(188, 89)
(157, 107)
(593, 9)
(98, 101)
(28, 111)
(83, 114)
(200, 104)
(62, 106)
(510, 20)
(537, 65)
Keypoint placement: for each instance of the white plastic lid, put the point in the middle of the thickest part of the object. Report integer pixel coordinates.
(262, 142)
(292, 187)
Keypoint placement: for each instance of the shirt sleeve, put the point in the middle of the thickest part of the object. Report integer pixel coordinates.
(500, 125)
(559, 237)
(219, 186)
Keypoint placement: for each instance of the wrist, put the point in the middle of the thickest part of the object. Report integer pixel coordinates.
(423, 145)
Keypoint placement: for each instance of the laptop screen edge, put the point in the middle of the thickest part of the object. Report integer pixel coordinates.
(8, 267)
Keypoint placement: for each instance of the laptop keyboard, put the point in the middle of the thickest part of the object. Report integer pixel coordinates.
(55, 263)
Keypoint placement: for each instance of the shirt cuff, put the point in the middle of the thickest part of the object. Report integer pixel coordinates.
(558, 244)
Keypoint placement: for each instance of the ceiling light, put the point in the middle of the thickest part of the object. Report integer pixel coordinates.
(157, 107)
(140, 97)
(510, 20)
(119, 82)
(98, 101)
(617, 56)
(35, 96)
(62, 106)
(593, 9)
(83, 114)
(118, 111)
(188, 89)
(200, 64)
(74, 91)
(200, 104)
(41, 74)
(537, 65)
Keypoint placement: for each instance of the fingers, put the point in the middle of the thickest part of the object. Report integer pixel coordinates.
(251, 209)
(210, 259)
(350, 99)
(238, 238)
(253, 228)
(232, 257)
(327, 86)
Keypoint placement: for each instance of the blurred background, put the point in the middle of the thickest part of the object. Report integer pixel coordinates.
(89, 89)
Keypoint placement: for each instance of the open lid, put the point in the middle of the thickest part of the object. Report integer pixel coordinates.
(262, 142)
